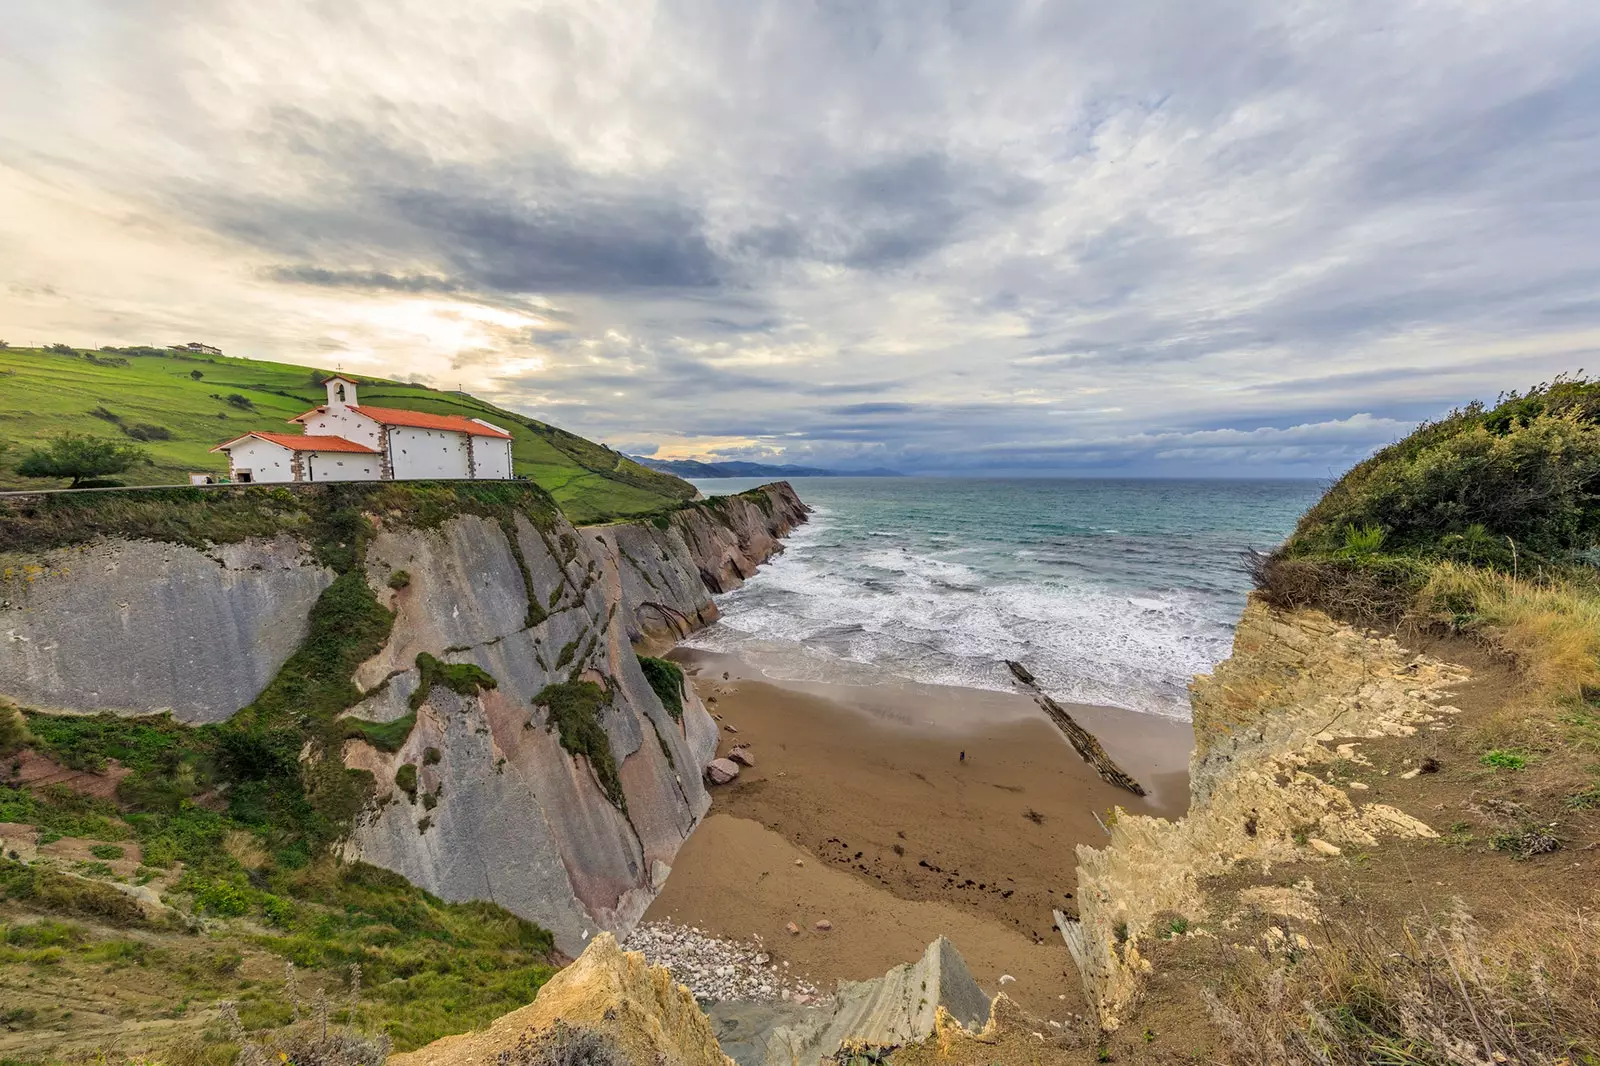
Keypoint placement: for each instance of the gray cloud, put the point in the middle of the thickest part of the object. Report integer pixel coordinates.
(992, 237)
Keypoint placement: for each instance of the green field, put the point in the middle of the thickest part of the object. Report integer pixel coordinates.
(113, 393)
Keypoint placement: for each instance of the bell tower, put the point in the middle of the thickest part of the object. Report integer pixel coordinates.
(341, 391)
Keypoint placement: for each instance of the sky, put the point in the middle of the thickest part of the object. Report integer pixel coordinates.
(1239, 237)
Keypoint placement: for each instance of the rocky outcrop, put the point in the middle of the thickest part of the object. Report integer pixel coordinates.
(1265, 717)
(635, 1007)
(561, 790)
(902, 1007)
(668, 568)
(139, 627)
(650, 1018)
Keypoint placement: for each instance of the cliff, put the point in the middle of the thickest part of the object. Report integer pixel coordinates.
(517, 753)
(1266, 722)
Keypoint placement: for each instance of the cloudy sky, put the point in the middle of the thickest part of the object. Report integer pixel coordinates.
(1229, 237)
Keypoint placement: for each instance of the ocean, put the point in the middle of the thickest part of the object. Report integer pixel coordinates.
(1111, 592)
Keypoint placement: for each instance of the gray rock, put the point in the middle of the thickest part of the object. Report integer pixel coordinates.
(136, 627)
(742, 756)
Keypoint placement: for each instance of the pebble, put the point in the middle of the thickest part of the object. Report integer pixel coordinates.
(824, 925)
(714, 968)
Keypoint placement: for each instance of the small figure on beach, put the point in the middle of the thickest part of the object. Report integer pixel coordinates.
(963, 756)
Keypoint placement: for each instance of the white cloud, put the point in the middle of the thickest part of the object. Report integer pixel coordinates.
(882, 232)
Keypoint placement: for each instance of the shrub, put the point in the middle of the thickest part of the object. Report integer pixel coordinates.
(13, 729)
(108, 852)
(575, 708)
(244, 403)
(1527, 470)
(144, 431)
(464, 679)
(666, 679)
(223, 898)
(565, 1045)
(399, 580)
(405, 780)
(196, 375)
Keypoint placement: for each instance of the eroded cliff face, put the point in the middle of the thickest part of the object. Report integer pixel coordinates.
(139, 627)
(500, 809)
(1265, 717)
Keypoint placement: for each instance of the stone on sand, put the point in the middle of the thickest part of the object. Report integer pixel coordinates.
(742, 756)
(721, 771)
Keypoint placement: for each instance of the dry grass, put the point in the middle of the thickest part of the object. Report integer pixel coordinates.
(1443, 992)
(1549, 625)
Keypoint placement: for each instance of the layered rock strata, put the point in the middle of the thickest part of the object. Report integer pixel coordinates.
(494, 805)
(1295, 683)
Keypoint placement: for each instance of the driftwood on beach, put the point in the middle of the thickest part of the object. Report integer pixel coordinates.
(1079, 737)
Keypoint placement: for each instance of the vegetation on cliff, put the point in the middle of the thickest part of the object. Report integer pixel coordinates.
(574, 708)
(181, 402)
(666, 680)
(1476, 534)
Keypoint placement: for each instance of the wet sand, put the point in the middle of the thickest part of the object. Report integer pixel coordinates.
(900, 839)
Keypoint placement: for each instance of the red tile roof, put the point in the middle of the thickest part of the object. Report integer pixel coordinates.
(394, 416)
(300, 442)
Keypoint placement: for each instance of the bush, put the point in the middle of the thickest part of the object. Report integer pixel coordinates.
(222, 898)
(575, 708)
(666, 680)
(1526, 473)
(464, 679)
(243, 403)
(399, 580)
(405, 779)
(144, 431)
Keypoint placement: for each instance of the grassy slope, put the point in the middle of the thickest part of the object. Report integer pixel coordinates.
(45, 392)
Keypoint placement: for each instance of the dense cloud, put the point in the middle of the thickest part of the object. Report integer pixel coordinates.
(1240, 237)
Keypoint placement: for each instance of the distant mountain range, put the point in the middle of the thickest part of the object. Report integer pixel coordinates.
(695, 468)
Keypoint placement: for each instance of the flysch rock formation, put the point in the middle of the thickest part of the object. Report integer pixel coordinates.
(901, 1007)
(651, 1018)
(1295, 682)
(501, 811)
(139, 627)
(654, 1019)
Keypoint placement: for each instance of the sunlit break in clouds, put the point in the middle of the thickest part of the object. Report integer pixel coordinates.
(1244, 237)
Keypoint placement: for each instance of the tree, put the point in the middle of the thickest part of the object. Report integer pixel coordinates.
(79, 457)
(197, 375)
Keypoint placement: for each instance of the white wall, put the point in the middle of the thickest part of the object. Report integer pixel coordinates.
(342, 466)
(343, 422)
(491, 457)
(265, 461)
(427, 453)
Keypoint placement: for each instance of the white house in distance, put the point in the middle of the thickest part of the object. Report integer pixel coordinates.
(344, 440)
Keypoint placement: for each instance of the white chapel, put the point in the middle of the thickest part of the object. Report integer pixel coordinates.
(345, 440)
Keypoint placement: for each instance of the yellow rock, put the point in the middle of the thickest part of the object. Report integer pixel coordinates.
(652, 1018)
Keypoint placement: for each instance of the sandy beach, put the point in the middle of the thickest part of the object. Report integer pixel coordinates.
(861, 811)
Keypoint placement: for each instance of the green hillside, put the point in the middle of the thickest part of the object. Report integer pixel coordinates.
(179, 404)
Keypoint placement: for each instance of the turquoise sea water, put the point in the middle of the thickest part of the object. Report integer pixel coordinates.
(1110, 591)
